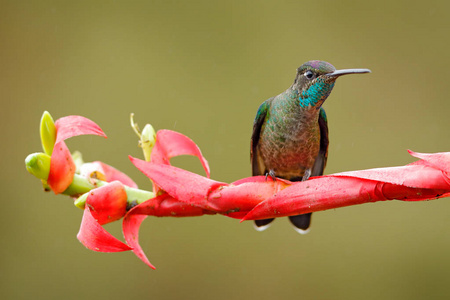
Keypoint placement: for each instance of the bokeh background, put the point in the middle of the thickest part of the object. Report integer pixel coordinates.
(202, 68)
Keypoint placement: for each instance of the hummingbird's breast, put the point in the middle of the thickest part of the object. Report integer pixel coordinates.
(290, 139)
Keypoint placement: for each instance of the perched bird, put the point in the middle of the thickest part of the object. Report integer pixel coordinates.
(290, 131)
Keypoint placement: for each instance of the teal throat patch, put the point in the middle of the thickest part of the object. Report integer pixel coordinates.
(316, 92)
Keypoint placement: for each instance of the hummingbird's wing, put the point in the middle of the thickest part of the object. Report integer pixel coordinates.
(302, 222)
(258, 167)
(321, 160)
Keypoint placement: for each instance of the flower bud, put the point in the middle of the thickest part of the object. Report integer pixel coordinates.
(38, 164)
(148, 139)
(48, 133)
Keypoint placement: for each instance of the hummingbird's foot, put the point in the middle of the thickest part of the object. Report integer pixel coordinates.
(306, 175)
(271, 173)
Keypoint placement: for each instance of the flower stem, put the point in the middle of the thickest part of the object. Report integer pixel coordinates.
(137, 196)
(81, 185)
(38, 164)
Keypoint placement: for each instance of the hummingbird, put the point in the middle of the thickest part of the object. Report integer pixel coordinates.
(290, 131)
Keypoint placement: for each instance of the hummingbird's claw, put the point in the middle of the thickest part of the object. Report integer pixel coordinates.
(306, 175)
(271, 173)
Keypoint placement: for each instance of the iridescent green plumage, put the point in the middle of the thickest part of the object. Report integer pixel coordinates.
(290, 132)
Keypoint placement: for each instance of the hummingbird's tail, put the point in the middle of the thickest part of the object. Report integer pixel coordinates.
(301, 223)
(261, 225)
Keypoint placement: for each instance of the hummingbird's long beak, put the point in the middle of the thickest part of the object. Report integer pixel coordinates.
(348, 71)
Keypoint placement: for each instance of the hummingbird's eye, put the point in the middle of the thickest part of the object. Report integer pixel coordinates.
(309, 74)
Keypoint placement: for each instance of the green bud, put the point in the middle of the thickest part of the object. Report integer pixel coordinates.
(148, 139)
(48, 133)
(38, 164)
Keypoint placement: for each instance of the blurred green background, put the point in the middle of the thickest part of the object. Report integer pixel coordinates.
(203, 68)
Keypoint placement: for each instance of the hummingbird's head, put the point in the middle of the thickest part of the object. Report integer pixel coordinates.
(315, 81)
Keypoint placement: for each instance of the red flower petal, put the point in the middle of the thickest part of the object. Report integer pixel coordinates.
(170, 144)
(70, 126)
(94, 237)
(167, 206)
(62, 168)
(412, 175)
(181, 184)
(238, 198)
(130, 228)
(438, 160)
(398, 192)
(108, 203)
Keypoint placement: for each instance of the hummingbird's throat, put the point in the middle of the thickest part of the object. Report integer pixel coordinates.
(315, 93)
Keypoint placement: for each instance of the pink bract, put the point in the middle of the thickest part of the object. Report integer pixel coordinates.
(108, 203)
(70, 126)
(62, 168)
(94, 237)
